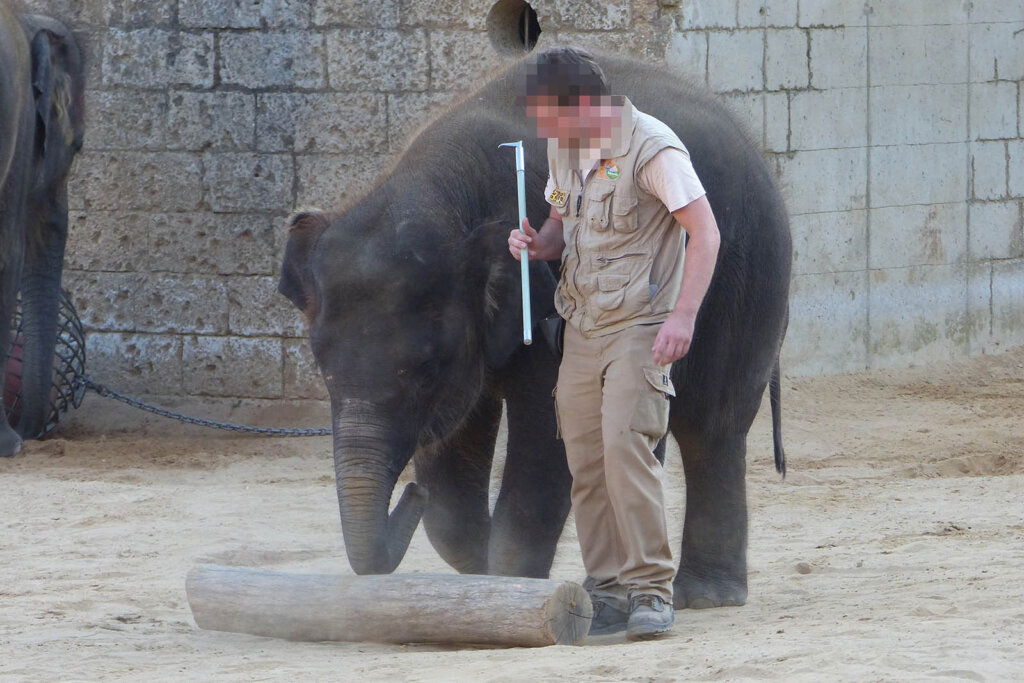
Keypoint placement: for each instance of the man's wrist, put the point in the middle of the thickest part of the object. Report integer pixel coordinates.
(683, 314)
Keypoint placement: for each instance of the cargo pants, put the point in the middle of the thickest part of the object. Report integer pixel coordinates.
(612, 403)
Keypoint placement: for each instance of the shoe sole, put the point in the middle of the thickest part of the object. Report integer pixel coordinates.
(648, 633)
(608, 630)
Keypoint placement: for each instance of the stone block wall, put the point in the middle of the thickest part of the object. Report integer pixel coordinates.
(896, 131)
(895, 128)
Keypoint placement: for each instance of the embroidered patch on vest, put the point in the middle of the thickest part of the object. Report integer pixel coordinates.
(558, 197)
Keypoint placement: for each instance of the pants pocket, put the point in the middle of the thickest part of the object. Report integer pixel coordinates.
(558, 418)
(650, 417)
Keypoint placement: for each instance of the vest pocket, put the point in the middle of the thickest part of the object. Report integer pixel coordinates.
(622, 290)
(624, 213)
(611, 290)
(599, 207)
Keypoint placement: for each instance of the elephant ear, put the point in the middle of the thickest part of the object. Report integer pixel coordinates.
(296, 283)
(58, 89)
(498, 281)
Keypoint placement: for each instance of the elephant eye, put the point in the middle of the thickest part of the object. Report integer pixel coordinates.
(427, 368)
(424, 368)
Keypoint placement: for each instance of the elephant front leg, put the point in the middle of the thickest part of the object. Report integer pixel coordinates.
(534, 499)
(713, 563)
(531, 508)
(457, 476)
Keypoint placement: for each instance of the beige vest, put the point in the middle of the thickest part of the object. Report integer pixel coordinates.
(623, 258)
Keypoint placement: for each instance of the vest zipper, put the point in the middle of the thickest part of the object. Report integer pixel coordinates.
(579, 197)
(579, 258)
(609, 259)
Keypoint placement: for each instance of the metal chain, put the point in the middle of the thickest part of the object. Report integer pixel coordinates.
(107, 392)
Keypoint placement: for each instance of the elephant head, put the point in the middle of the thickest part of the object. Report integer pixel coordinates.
(58, 121)
(408, 315)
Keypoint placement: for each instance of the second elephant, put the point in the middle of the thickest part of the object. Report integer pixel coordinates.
(42, 119)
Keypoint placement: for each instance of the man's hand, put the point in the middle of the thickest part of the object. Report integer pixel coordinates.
(543, 245)
(676, 333)
(673, 340)
(523, 238)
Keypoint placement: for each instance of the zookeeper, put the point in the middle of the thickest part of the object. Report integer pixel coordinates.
(620, 187)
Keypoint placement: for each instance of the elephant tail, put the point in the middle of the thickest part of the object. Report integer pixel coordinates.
(774, 391)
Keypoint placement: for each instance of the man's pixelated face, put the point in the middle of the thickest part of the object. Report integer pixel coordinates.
(563, 107)
(575, 121)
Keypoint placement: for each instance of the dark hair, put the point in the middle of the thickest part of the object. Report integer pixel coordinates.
(566, 72)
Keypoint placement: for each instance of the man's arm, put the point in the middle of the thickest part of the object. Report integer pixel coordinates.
(545, 244)
(676, 333)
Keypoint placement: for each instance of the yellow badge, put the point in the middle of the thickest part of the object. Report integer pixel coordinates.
(558, 197)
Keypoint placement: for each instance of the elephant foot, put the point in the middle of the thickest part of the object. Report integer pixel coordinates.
(463, 546)
(10, 442)
(476, 565)
(695, 592)
(520, 564)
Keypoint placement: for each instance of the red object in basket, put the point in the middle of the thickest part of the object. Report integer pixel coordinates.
(12, 383)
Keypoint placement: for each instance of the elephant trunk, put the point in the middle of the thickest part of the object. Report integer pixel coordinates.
(40, 303)
(367, 462)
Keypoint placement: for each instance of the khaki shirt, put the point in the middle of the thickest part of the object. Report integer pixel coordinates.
(623, 258)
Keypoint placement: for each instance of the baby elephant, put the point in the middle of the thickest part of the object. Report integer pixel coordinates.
(415, 322)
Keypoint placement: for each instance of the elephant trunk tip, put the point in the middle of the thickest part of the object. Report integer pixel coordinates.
(401, 525)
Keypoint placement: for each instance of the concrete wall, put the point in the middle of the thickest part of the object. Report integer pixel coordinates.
(895, 128)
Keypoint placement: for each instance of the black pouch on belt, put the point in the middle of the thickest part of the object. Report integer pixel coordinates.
(552, 328)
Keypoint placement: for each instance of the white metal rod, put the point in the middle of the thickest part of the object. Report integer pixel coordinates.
(524, 257)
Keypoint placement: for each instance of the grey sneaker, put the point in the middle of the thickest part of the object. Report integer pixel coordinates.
(607, 619)
(649, 617)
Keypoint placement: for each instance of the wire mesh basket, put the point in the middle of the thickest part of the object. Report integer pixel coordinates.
(68, 366)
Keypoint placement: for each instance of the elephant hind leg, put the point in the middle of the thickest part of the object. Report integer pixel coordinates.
(713, 562)
(457, 476)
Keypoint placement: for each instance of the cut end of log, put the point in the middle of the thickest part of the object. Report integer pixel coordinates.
(569, 614)
(393, 608)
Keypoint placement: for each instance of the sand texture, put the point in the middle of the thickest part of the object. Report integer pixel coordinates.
(894, 550)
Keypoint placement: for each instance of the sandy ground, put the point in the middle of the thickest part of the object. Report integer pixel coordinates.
(893, 551)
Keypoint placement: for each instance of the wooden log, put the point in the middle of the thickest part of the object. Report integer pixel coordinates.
(391, 608)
